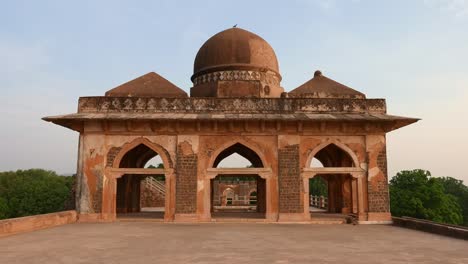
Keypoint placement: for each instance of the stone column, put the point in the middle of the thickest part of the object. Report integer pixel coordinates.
(377, 185)
(346, 194)
(169, 201)
(291, 189)
(354, 195)
(186, 179)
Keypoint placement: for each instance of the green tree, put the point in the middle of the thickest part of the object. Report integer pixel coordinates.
(416, 194)
(459, 191)
(318, 186)
(34, 191)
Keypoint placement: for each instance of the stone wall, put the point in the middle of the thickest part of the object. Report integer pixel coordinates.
(289, 180)
(186, 181)
(150, 198)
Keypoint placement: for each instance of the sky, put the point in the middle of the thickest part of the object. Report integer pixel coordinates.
(412, 53)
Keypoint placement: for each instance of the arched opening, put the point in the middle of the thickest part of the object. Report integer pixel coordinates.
(141, 195)
(234, 161)
(332, 156)
(240, 150)
(331, 192)
(228, 197)
(240, 195)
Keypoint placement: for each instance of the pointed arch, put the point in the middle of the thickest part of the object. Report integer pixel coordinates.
(321, 150)
(246, 150)
(146, 149)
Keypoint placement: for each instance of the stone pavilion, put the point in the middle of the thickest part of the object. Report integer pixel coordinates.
(236, 105)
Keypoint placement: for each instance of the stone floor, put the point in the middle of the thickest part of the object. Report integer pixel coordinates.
(140, 242)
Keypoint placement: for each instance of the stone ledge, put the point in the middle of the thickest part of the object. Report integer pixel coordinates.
(36, 222)
(432, 227)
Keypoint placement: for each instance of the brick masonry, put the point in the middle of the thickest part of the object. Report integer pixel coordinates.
(111, 156)
(289, 180)
(186, 183)
(378, 191)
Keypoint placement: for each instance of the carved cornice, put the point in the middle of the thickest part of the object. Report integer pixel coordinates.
(105, 104)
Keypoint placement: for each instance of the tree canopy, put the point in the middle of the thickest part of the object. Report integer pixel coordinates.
(34, 191)
(416, 194)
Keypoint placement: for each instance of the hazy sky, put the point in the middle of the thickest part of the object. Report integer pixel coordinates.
(413, 53)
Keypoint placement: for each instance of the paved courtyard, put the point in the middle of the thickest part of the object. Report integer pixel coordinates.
(139, 242)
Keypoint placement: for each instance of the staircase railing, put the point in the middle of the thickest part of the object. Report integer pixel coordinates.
(158, 186)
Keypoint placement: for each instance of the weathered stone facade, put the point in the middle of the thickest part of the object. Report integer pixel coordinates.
(186, 183)
(289, 178)
(236, 106)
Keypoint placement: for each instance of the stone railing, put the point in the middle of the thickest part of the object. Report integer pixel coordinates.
(229, 105)
(319, 201)
(35, 222)
(432, 227)
(158, 186)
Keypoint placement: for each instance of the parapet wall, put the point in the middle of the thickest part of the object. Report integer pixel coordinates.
(35, 222)
(432, 227)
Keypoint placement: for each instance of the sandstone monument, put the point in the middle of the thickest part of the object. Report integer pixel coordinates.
(236, 105)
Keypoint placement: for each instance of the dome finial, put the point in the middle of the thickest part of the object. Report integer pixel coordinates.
(317, 73)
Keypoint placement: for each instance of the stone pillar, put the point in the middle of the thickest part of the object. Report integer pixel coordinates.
(362, 214)
(346, 194)
(354, 195)
(306, 197)
(109, 197)
(186, 178)
(291, 200)
(169, 202)
(377, 185)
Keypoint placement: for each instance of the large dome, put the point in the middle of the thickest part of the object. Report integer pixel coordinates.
(235, 48)
(238, 59)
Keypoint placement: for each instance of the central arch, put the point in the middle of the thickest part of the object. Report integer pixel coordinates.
(243, 151)
(240, 180)
(246, 149)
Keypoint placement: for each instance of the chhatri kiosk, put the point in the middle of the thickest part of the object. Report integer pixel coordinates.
(236, 105)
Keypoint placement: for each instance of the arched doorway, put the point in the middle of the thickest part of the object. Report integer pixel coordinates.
(232, 188)
(141, 193)
(331, 187)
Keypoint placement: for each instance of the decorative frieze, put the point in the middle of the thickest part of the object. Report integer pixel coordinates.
(267, 77)
(229, 105)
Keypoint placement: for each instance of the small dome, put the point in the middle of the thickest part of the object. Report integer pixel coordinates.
(322, 87)
(148, 85)
(235, 48)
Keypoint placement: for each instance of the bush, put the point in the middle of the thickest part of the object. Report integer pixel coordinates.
(34, 191)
